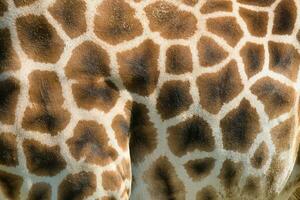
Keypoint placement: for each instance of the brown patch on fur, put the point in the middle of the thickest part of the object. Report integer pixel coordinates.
(8, 150)
(77, 186)
(277, 97)
(121, 128)
(9, 60)
(257, 2)
(90, 142)
(163, 182)
(40, 191)
(284, 59)
(43, 160)
(169, 21)
(111, 181)
(273, 174)
(283, 134)
(207, 193)
(20, 3)
(285, 17)
(209, 52)
(109, 198)
(257, 22)
(252, 187)
(46, 114)
(39, 39)
(71, 15)
(9, 90)
(124, 169)
(216, 5)
(190, 135)
(298, 36)
(240, 127)
(190, 2)
(174, 98)
(139, 68)
(3, 7)
(179, 59)
(260, 157)
(218, 88)
(115, 22)
(200, 168)
(143, 134)
(253, 56)
(10, 185)
(227, 28)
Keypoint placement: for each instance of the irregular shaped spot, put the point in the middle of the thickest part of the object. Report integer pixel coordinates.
(20, 3)
(90, 142)
(190, 2)
(200, 168)
(174, 98)
(109, 198)
(121, 128)
(10, 185)
(283, 134)
(43, 160)
(216, 89)
(227, 28)
(216, 6)
(277, 97)
(240, 127)
(298, 36)
(253, 56)
(260, 156)
(9, 90)
(285, 17)
(189, 135)
(124, 169)
(252, 187)
(77, 186)
(128, 108)
(163, 182)
(207, 193)
(8, 150)
(102, 95)
(47, 114)
(257, 22)
(139, 68)
(143, 134)
(88, 62)
(274, 174)
(71, 15)
(9, 60)
(39, 39)
(209, 52)
(3, 7)
(179, 59)
(115, 22)
(40, 191)
(169, 21)
(257, 2)
(284, 59)
(111, 181)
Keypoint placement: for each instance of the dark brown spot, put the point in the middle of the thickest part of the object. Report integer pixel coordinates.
(215, 6)
(109, 198)
(207, 193)
(298, 36)
(77, 186)
(115, 22)
(225, 27)
(273, 175)
(90, 142)
(139, 68)
(121, 128)
(276, 97)
(253, 56)
(260, 157)
(143, 134)
(240, 127)
(209, 52)
(174, 98)
(252, 187)
(3, 7)
(257, 22)
(200, 168)
(163, 182)
(39, 39)
(218, 88)
(43, 160)
(40, 191)
(285, 17)
(20, 3)
(189, 135)
(179, 59)
(9, 90)
(111, 181)
(169, 21)
(10, 185)
(8, 150)
(47, 115)
(71, 15)
(257, 2)
(190, 2)
(284, 59)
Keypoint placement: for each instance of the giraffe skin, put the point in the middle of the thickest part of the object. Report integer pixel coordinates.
(149, 99)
